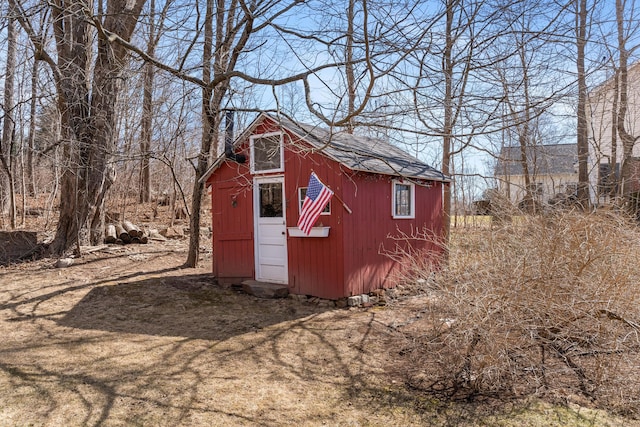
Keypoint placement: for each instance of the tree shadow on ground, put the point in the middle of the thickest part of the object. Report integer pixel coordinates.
(190, 306)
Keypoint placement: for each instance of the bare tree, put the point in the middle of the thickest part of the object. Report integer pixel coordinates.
(153, 38)
(210, 118)
(30, 166)
(147, 110)
(87, 104)
(349, 67)
(7, 179)
(450, 68)
(520, 107)
(582, 127)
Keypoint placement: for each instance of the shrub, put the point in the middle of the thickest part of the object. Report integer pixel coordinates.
(546, 305)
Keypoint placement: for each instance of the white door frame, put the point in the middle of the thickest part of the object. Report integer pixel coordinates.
(277, 227)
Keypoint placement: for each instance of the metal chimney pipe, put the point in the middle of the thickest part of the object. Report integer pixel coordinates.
(228, 139)
(228, 134)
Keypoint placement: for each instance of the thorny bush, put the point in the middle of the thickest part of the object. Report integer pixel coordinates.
(542, 305)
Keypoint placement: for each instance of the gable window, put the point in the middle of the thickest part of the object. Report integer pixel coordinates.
(302, 193)
(403, 200)
(267, 154)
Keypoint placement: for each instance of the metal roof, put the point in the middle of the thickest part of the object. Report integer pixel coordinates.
(551, 159)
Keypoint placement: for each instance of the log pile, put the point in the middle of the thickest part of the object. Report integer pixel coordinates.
(123, 233)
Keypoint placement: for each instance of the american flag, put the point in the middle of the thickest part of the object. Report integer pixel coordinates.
(318, 195)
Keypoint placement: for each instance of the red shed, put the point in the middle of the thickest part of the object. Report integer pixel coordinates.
(380, 192)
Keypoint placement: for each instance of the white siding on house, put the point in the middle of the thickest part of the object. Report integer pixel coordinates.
(552, 170)
(547, 186)
(601, 126)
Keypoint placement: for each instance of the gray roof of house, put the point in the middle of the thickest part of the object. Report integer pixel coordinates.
(362, 153)
(552, 159)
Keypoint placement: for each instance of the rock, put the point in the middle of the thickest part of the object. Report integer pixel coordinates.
(64, 263)
(265, 290)
(173, 233)
(155, 235)
(324, 303)
(354, 300)
(341, 303)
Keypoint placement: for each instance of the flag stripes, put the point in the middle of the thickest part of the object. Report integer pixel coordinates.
(317, 197)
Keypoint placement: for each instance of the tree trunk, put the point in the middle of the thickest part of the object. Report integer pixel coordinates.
(613, 178)
(89, 123)
(31, 178)
(583, 131)
(448, 123)
(7, 195)
(205, 147)
(351, 81)
(147, 112)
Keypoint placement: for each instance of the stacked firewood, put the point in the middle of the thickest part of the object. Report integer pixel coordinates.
(124, 232)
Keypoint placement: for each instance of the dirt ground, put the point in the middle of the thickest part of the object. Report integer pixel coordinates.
(125, 336)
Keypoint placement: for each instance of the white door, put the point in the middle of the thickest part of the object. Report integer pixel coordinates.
(270, 230)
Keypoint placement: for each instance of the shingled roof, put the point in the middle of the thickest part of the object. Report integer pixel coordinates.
(552, 159)
(358, 153)
(362, 153)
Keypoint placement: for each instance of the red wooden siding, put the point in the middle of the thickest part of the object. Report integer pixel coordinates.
(367, 231)
(316, 265)
(232, 219)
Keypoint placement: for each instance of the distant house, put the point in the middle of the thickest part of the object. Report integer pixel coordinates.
(553, 172)
(605, 145)
(380, 192)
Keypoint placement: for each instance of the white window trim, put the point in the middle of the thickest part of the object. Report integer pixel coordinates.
(301, 200)
(252, 160)
(412, 207)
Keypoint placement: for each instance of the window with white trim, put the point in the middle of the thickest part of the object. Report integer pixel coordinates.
(267, 154)
(302, 193)
(403, 200)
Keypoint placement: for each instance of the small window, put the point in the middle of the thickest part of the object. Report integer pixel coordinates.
(302, 193)
(267, 153)
(271, 205)
(403, 200)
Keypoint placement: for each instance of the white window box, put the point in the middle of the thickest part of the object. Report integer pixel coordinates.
(315, 232)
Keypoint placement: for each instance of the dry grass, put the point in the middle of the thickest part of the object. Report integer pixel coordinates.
(547, 306)
(126, 337)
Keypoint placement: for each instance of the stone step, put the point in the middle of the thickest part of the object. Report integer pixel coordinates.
(265, 289)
